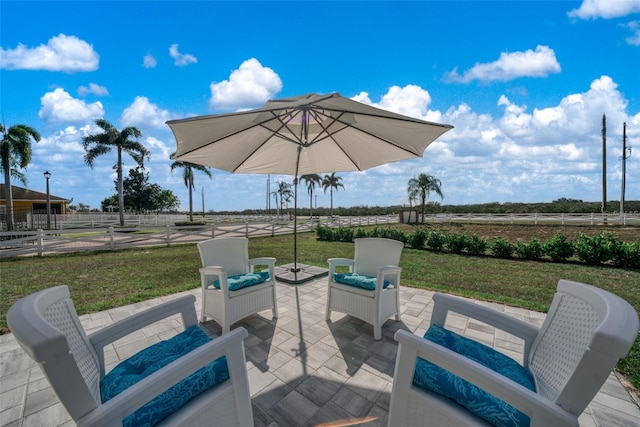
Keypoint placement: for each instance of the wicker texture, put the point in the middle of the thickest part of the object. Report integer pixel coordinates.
(560, 349)
(62, 316)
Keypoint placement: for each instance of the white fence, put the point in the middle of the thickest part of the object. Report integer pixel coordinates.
(41, 242)
(628, 219)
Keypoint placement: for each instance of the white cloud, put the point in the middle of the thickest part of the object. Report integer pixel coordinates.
(61, 53)
(94, 89)
(149, 61)
(634, 28)
(593, 9)
(142, 113)
(60, 107)
(531, 63)
(181, 59)
(251, 85)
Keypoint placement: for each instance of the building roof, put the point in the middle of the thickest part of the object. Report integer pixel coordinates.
(24, 194)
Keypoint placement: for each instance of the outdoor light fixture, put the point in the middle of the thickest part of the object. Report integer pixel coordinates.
(47, 175)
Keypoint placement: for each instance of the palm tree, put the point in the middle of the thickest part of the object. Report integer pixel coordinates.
(412, 194)
(311, 181)
(187, 175)
(108, 140)
(331, 181)
(15, 153)
(423, 185)
(284, 192)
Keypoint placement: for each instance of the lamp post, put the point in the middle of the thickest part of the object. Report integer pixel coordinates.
(47, 175)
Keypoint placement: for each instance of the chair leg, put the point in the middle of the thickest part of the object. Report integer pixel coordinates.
(377, 332)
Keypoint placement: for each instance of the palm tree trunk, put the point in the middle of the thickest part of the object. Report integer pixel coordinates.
(331, 193)
(8, 196)
(120, 188)
(190, 202)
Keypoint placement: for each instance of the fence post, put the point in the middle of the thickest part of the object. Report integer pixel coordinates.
(168, 228)
(40, 238)
(112, 238)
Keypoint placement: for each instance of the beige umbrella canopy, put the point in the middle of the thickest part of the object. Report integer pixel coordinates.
(302, 135)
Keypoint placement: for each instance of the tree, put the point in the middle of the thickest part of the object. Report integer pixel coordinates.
(424, 185)
(331, 181)
(311, 181)
(412, 194)
(142, 196)
(15, 153)
(187, 175)
(284, 193)
(98, 144)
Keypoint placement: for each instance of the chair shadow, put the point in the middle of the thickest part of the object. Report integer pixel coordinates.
(355, 342)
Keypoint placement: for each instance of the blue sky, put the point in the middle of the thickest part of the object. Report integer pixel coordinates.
(524, 83)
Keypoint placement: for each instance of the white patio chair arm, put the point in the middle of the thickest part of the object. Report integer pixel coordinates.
(184, 306)
(339, 262)
(445, 303)
(124, 404)
(542, 412)
(390, 273)
(268, 261)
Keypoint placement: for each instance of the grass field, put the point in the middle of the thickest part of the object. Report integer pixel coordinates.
(102, 280)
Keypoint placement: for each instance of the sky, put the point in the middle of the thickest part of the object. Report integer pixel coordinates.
(524, 83)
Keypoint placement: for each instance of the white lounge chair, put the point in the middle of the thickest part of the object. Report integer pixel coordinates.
(585, 333)
(226, 263)
(371, 289)
(47, 327)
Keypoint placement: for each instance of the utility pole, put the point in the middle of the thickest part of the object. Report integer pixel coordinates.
(268, 194)
(625, 156)
(202, 202)
(603, 209)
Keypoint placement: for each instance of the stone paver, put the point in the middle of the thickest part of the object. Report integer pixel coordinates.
(303, 371)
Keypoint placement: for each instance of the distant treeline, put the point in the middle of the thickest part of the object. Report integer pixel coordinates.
(557, 206)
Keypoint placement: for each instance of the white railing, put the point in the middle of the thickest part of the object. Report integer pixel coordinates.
(628, 219)
(41, 242)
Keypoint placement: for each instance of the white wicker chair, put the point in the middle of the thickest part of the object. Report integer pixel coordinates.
(47, 327)
(585, 333)
(375, 257)
(222, 258)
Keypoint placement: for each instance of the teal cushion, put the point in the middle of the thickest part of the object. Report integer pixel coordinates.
(244, 280)
(357, 280)
(148, 361)
(486, 406)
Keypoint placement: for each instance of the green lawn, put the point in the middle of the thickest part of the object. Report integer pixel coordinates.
(102, 280)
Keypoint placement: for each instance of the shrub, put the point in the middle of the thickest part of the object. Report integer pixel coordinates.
(360, 232)
(594, 250)
(455, 243)
(476, 245)
(626, 255)
(501, 247)
(533, 250)
(324, 233)
(418, 238)
(344, 234)
(436, 240)
(559, 248)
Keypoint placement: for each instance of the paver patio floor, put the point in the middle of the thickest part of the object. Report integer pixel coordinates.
(303, 370)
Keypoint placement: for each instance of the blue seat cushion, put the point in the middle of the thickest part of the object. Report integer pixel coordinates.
(146, 362)
(240, 281)
(357, 280)
(484, 405)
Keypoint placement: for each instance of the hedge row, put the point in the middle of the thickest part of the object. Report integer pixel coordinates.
(603, 248)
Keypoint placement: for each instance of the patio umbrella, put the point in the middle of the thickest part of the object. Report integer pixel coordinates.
(302, 135)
